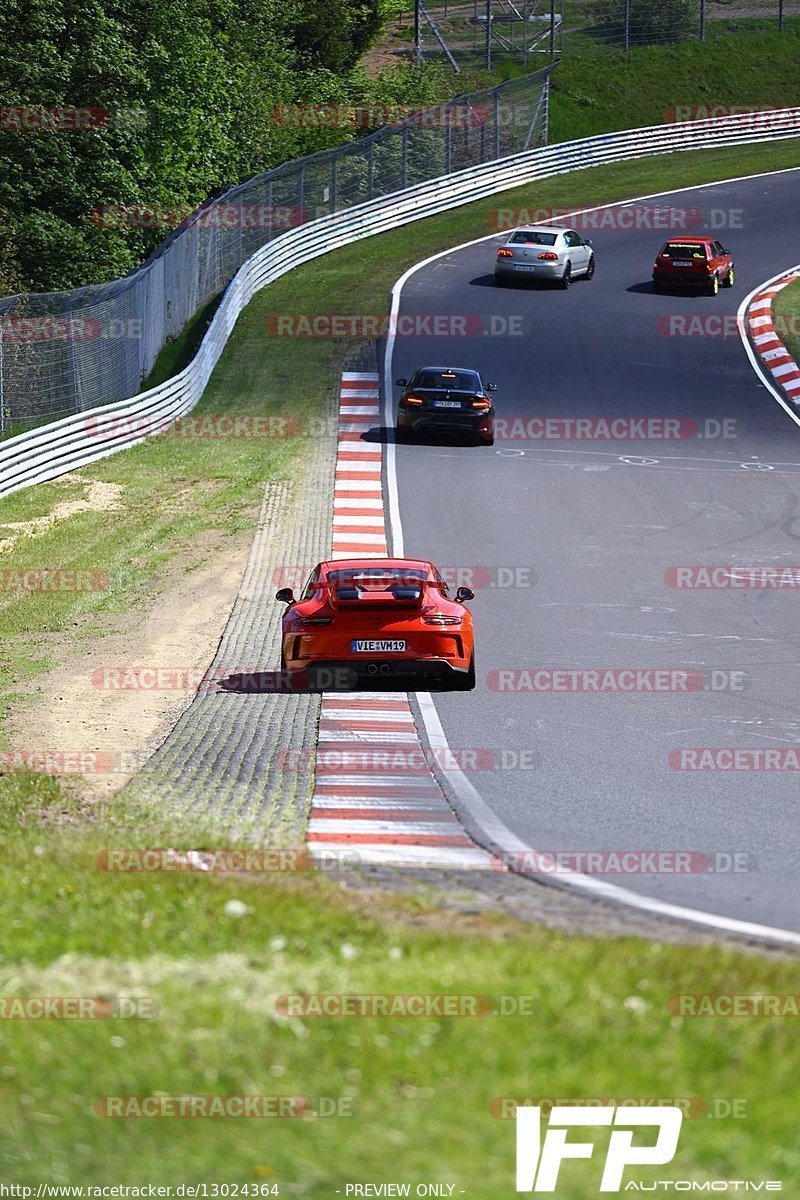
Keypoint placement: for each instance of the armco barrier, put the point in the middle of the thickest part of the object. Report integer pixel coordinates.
(65, 445)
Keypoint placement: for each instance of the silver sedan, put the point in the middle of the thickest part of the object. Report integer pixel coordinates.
(544, 252)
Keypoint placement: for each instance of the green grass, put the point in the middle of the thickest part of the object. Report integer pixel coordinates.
(597, 1025)
(786, 309)
(607, 89)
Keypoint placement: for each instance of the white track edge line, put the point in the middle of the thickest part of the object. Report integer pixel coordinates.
(483, 816)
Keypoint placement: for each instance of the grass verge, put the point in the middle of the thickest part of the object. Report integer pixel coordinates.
(607, 89)
(786, 311)
(587, 1018)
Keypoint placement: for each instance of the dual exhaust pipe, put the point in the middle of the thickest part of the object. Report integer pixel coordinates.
(374, 669)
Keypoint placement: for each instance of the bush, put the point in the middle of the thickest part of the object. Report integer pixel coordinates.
(649, 20)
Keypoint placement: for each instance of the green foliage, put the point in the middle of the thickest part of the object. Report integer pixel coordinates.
(187, 97)
(649, 20)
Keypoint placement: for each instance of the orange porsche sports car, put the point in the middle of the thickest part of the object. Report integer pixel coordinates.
(379, 618)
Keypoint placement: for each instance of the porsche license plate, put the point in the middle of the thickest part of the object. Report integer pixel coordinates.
(393, 646)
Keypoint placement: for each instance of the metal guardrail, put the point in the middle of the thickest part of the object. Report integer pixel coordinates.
(62, 353)
(66, 445)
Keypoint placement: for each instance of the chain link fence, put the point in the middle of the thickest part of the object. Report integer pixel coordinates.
(480, 33)
(66, 352)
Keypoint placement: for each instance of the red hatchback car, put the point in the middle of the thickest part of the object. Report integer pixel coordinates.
(696, 262)
(378, 618)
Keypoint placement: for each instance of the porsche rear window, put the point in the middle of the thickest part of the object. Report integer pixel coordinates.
(454, 381)
(533, 237)
(684, 250)
(377, 579)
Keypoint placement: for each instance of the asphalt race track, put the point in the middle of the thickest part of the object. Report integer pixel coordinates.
(599, 523)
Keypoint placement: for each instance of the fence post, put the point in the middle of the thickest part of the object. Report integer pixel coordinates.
(488, 35)
(552, 28)
(2, 397)
(702, 20)
(627, 25)
(334, 164)
(496, 125)
(780, 15)
(370, 168)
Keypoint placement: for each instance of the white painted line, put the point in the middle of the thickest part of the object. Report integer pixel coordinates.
(377, 827)
(379, 736)
(468, 858)
(365, 522)
(492, 828)
(377, 804)
(358, 485)
(368, 503)
(368, 539)
(388, 783)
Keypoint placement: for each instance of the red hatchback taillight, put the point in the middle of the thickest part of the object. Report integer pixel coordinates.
(548, 255)
(505, 253)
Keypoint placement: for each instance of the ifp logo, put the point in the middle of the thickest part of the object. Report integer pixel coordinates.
(538, 1165)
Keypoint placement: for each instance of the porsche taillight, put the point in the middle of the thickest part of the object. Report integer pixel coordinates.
(441, 619)
(304, 622)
